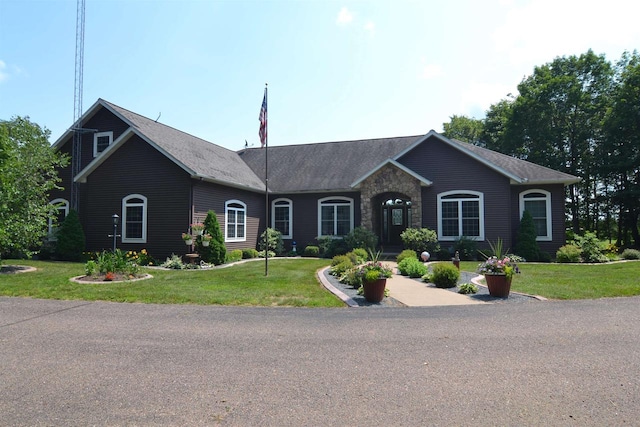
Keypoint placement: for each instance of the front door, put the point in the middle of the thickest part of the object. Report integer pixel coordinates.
(396, 217)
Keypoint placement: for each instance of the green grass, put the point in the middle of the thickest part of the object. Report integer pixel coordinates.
(575, 281)
(291, 282)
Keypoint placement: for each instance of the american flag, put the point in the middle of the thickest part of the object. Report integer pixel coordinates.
(263, 120)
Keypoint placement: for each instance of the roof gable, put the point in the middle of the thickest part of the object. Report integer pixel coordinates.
(199, 158)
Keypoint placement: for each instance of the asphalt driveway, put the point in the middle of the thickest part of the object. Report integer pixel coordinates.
(553, 363)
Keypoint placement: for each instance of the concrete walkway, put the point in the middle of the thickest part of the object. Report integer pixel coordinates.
(414, 293)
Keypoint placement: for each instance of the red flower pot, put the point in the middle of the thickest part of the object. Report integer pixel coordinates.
(374, 291)
(499, 285)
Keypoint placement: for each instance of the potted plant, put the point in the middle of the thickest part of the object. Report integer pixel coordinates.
(206, 239)
(197, 228)
(374, 280)
(188, 238)
(498, 271)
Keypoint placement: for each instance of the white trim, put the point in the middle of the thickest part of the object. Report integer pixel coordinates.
(479, 199)
(290, 209)
(547, 200)
(321, 202)
(226, 221)
(64, 206)
(97, 135)
(123, 225)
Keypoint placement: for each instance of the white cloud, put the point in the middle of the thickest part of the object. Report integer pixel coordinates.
(478, 97)
(432, 71)
(344, 17)
(370, 27)
(3, 74)
(538, 31)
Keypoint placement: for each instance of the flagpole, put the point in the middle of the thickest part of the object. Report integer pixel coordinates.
(266, 183)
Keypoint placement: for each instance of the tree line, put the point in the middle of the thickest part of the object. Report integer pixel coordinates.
(579, 115)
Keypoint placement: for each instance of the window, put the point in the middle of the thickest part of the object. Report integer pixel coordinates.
(134, 219)
(282, 217)
(235, 213)
(62, 207)
(538, 203)
(460, 213)
(335, 216)
(101, 141)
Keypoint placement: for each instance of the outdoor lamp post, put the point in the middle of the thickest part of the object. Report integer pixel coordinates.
(116, 220)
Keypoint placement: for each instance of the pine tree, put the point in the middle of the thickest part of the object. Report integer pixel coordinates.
(216, 252)
(70, 238)
(526, 245)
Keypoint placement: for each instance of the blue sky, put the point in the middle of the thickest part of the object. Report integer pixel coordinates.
(337, 70)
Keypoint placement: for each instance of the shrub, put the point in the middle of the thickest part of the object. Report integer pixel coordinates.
(311, 251)
(273, 243)
(442, 254)
(467, 288)
(360, 254)
(233, 256)
(568, 253)
(338, 259)
(141, 258)
(412, 267)
(352, 277)
(466, 247)
(91, 268)
(445, 275)
(630, 254)
(339, 269)
(174, 262)
(249, 253)
(407, 253)
(591, 250)
(330, 247)
(526, 245)
(360, 237)
(216, 252)
(420, 239)
(70, 238)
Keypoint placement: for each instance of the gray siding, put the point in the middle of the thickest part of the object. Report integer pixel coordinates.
(449, 169)
(137, 168)
(208, 196)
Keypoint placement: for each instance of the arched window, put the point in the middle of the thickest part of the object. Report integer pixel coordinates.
(134, 219)
(335, 216)
(282, 217)
(460, 213)
(62, 206)
(235, 214)
(538, 203)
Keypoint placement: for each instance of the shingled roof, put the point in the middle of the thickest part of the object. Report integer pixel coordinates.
(199, 158)
(304, 168)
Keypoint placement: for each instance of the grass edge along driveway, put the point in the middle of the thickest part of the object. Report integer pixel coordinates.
(290, 283)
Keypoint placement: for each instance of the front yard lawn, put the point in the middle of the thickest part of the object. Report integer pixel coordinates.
(575, 281)
(291, 282)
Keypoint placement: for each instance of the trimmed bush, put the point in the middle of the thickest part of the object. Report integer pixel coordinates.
(568, 253)
(526, 245)
(445, 275)
(249, 253)
(412, 267)
(233, 256)
(420, 239)
(630, 254)
(70, 238)
(360, 237)
(311, 251)
(216, 252)
(407, 253)
(361, 255)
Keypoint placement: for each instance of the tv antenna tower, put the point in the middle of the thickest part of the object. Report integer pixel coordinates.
(76, 155)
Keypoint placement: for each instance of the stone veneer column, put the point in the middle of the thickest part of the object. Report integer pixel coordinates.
(390, 179)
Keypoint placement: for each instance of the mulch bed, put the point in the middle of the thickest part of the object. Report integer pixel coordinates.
(117, 277)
